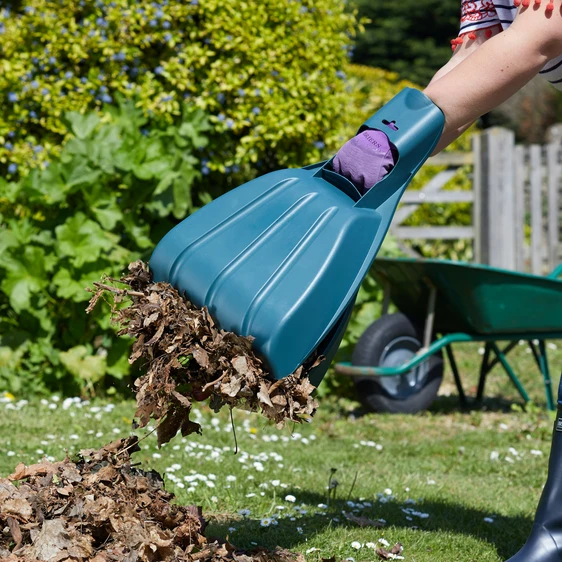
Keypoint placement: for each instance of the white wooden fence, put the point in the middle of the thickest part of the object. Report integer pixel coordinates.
(515, 199)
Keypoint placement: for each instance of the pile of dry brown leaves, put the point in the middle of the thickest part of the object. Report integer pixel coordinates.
(103, 509)
(187, 356)
(100, 508)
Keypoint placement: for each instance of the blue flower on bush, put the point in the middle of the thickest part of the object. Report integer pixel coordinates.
(12, 168)
(319, 145)
(256, 110)
(235, 169)
(13, 97)
(92, 33)
(11, 134)
(103, 89)
(37, 149)
(101, 77)
(106, 98)
(33, 115)
(140, 11)
(340, 74)
(101, 22)
(274, 73)
(68, 74)
(159, 70)
(144, 132)
(168, 36)
(83, 80)
(241, 92)
(52, 60)
(8, 146)
(257, 92)
(2, 27)
(167, 98)
(28, 10)
(159, 14)
(119, 56)
(44, 91)
(153, 23)
(229, 37)
(221, 117)
(221, 97)
(34, 84)
(205, 171)
(194, 2)
(166, 25)
(229, 123)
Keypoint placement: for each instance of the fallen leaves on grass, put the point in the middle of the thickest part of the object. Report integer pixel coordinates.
(362, 521)
(392, 554)
(188, 356)
(100, 508)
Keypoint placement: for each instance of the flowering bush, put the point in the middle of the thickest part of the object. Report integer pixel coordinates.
(269, 73)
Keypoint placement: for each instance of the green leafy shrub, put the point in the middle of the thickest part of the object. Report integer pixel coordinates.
(111, 195)
(269, 73)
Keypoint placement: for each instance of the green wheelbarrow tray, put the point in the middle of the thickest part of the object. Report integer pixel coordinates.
(477, 299)
(470, 303)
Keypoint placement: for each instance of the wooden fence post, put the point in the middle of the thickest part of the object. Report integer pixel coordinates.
(554, 173)
(495, 208)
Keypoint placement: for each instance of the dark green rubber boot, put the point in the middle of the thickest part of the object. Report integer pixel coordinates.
(545, 542)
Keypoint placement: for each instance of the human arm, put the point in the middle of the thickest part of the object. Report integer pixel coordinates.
(496, 69)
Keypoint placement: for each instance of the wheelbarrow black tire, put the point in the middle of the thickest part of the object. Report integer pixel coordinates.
(369, 350)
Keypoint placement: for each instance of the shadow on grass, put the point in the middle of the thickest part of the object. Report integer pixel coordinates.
(507, 534)
(444, 405)
(452, 404)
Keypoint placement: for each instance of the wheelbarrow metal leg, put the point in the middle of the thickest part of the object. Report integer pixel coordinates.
(542, 363)
(546, 376)
(458, 382)
(484, 370)
(507, 367)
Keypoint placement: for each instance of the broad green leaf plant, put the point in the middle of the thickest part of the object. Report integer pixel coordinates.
(117, 187)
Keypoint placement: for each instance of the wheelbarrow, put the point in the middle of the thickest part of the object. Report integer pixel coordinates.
(397, 364)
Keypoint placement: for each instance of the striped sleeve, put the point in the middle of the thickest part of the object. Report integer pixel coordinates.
(477, 14)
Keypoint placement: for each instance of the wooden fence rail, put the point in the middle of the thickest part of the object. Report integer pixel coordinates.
(515, 200)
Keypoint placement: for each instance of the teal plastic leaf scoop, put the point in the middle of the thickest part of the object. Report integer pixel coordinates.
(281, 258)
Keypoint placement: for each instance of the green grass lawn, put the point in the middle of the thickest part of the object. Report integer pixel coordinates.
(431, 478)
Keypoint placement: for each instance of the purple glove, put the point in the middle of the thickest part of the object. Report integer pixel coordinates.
(365, 159)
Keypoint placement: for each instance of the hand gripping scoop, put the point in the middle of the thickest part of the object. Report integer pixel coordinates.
(281, 258)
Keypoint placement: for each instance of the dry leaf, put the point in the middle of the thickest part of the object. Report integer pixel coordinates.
(362, 521)
(184, 349)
